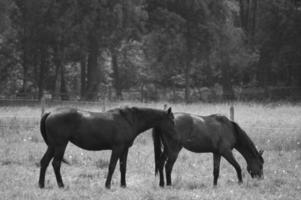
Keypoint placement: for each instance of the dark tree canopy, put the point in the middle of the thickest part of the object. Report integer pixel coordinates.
(89, 49)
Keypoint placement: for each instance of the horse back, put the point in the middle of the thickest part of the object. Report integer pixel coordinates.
(89, 130)
(211, 133)
(78, 117)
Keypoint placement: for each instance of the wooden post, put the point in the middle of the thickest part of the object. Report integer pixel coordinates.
(42, 105)
(232, 112)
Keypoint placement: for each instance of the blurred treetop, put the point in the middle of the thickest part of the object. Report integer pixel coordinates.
(74, 47)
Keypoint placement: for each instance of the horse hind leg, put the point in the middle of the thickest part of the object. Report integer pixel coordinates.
(56, 163)
(160, 168)
(44, 164)
(230, 158)
(216, 167)
(169, 165)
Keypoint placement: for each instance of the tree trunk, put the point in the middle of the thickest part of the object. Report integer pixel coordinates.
(188, 59)
(36, 60)
(83, 75)
(187, 70)
(57, 81)
(57, 77)
(254, 12)
(265, 72)
(247, 16)
(92, 71)
(243, 14)
(60, 83)
(263, 67)
(252, 20)
(25, 68)
(43, 63)
(289, 75)
(116, 75)
(228, 93)
(26, 48)
(63, 89)
(142, 93)
(299, 75)
(125, 14)
(248, 10)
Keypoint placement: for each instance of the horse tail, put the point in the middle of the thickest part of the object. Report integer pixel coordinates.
(43, 127)
(43, 133)
(157, 147)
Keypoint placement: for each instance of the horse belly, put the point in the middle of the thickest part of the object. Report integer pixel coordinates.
(92, 140)
(199, 147)
(200, 141)
(91, 145)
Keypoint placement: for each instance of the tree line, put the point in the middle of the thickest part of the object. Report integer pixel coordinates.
(81, 47)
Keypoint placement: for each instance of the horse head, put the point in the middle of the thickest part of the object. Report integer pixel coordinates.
(255, 166)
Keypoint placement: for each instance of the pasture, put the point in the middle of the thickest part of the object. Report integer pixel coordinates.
(276, 128)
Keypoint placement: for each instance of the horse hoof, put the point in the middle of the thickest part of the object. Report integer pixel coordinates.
(123, 186)
(41, 185)
(61, 185)
(108, 186)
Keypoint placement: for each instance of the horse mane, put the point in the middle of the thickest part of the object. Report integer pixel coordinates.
(245, 140)
(127, 113)
(132, 113)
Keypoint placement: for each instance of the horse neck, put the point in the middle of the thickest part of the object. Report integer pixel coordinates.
(248, 156)
(246, 147)
(147, 118)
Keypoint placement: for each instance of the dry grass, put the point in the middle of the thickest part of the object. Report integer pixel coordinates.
(275, 128)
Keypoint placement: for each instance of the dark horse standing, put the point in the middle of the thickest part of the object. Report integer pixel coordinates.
(115, 129)
(214, 133)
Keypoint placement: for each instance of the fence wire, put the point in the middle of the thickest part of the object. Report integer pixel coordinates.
(103, 104)
(37, 120)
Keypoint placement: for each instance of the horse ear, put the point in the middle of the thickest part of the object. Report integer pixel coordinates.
(261, 152)
(169, 111)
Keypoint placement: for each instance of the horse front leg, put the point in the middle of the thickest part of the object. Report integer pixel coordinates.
(228, 155)
(216, 167)
(116, 152)
(122, 162)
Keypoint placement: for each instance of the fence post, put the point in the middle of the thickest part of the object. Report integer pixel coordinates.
(42, 105)
(232, 112)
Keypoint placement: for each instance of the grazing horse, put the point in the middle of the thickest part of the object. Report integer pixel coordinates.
(203, 134)
(113, 130)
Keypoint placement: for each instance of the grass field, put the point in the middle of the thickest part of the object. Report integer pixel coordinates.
(274, 127)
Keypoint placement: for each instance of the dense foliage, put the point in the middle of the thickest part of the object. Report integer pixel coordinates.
(84, 48)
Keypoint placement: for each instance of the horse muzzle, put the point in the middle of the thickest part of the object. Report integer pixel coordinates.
(258, 177)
